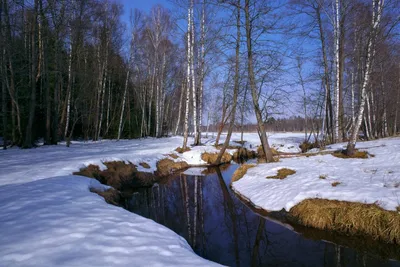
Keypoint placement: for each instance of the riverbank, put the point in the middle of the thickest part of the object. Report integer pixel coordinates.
(32, 209)
(51, 218)
(351, 196)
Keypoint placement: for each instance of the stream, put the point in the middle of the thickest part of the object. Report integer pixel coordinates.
(221, 228)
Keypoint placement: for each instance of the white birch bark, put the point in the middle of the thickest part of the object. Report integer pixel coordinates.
(186, 124)
(369, 115)
(370, 55)
(337, 67)
(69, 89)
(108, 106)
(179, 110)
(353, 116)
(202, 72)
(194, 89)
(121, 115)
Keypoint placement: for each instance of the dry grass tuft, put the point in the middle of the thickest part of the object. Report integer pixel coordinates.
(334, 184)
(167, 166)
(241, 171)
(174, 156)
(260, 151)
(357, 155)
(306, 146)
(111, 195)
(323, 176)
(282, 174)
(91, 171)
(144, 165)
(349, 218)
(243, 153)
(211, 158)
(119, 175)
(181, 150)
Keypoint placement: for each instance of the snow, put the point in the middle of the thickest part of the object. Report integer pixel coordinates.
(48, 217)
(58, 222)
(372, 180)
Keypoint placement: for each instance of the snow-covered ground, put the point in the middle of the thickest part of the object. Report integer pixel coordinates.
(372, 180)
(58, 222)
(50, 218)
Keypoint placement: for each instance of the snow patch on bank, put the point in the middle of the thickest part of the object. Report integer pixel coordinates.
(372, 180)
(58, 222)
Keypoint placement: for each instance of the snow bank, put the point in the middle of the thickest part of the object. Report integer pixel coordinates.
(372, 180)
(58, 222)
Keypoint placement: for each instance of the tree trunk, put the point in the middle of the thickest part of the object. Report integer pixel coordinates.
(28, 143)
(370, 56)
(194, 89)
(69, 86)
(121, 116)
(235, 88)
(252, 82)
(179, 110)
(186, 124)
(328, 110)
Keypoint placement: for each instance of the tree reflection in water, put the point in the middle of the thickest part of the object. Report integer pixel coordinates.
(221, 228)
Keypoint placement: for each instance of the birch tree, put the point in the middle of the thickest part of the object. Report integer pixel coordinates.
(377, 10)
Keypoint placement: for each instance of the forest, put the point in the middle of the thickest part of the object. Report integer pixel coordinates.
(77, 70)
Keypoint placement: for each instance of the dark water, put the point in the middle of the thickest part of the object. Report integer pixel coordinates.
(219, 227)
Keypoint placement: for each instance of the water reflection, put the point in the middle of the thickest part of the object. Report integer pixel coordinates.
(221, 228)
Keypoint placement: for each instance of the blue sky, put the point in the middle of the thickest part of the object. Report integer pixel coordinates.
(144, 5)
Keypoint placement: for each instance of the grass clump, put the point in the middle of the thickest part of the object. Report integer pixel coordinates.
(306, 146)
(111, 196)
(282, 174)
(357, 154)
(92, 171)
(241, 171)
(323, 176)
(174, 156)
(334, 184)
(167, 166)
(144, 165)
(211, 158)
(243, 153)
(119, 175)
(181, 150)
(260, 151)
(349, 218)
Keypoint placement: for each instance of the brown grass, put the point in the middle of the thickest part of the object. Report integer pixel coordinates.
(334, 184)
(91, 171)
(241, 171)
(111, 195)
(357, 155)
(260, 151)
(323, 176)
(174, 156)
(282, 174)
(144, 165)
(306, 146)
(181, 150)
(119, 175)
(211, 158)
(243, 153)
(349, 218)
(167, 166)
